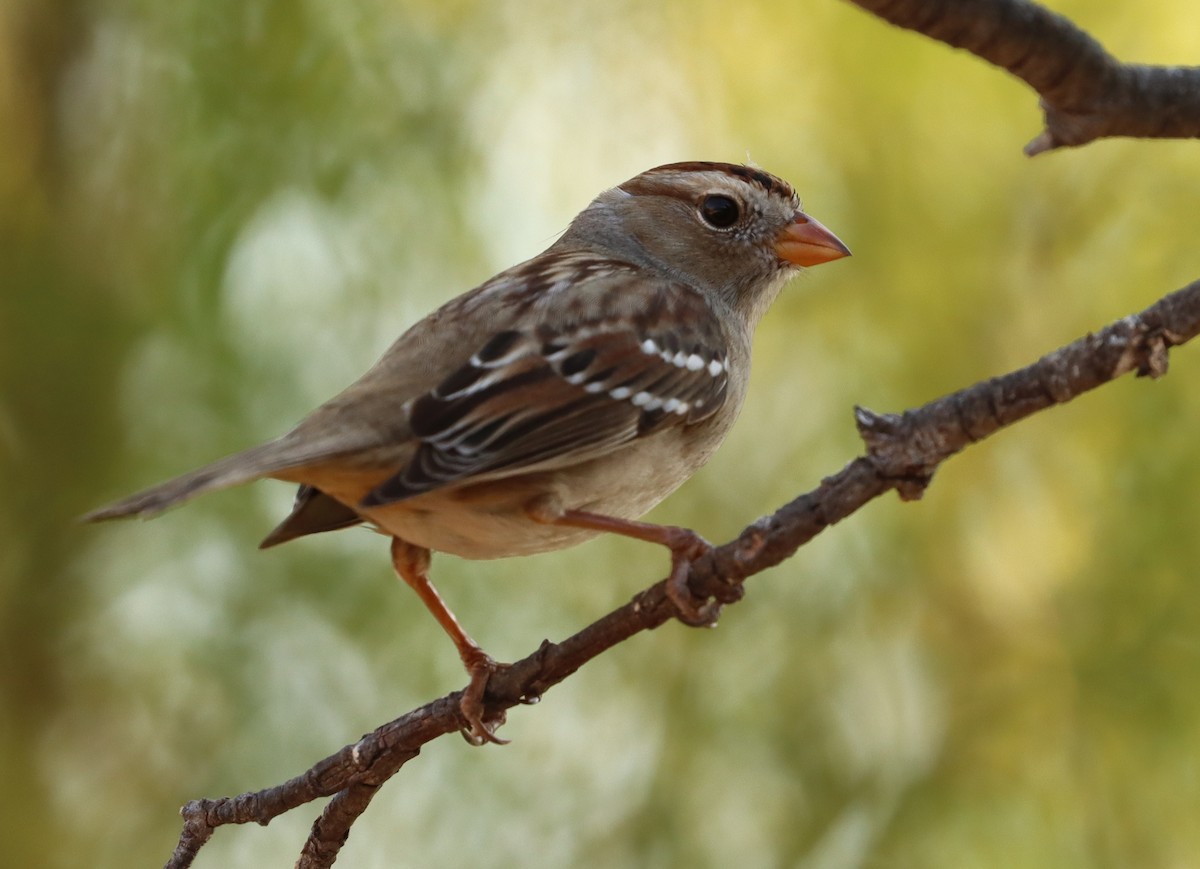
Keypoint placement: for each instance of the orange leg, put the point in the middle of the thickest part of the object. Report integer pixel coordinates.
(412, 565)
(685, 546)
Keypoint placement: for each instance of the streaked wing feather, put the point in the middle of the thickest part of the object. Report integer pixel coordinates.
(543, 398)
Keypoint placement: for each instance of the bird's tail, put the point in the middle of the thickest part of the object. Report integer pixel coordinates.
(252, 464)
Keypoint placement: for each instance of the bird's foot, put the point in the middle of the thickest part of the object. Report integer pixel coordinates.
(477, 729)
(686, 546)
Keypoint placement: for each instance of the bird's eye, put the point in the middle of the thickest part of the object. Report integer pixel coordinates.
(719, 211)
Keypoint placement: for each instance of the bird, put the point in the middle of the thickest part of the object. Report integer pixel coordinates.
(560, 399)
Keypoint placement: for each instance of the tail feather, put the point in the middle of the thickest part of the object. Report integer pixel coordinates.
(313, 512)
(252, 464)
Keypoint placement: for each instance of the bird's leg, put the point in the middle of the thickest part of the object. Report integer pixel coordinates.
(412, 565)
(685, 545)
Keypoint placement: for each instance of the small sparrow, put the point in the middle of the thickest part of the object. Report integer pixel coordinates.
(562, 398)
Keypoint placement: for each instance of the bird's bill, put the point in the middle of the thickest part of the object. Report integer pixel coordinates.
(805, 242)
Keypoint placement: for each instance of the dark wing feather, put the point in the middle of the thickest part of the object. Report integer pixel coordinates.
(545, 398)
(312, 512)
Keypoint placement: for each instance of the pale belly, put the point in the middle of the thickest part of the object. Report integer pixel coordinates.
(492, 520)
(474, 531)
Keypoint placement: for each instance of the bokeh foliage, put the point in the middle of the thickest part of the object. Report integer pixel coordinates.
(214, 214)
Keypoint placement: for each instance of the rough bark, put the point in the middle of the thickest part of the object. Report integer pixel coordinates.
(1086, 93)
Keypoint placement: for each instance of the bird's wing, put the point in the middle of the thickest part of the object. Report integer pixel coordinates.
(612, 369)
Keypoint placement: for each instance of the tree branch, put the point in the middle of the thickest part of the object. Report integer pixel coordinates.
(1086, 93)
(903, 452)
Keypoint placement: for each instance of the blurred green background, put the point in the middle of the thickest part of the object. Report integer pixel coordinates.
(215, 214)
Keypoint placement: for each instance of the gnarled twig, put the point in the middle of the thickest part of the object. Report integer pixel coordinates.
(1086, 93)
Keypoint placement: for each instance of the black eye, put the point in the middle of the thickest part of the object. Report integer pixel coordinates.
(719, 211)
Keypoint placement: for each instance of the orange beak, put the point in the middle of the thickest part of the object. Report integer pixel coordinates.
(805, 242)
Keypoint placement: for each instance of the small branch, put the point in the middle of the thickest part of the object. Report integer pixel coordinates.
(910, 446)
(1086, 93)
(903, 452)
(332, 829)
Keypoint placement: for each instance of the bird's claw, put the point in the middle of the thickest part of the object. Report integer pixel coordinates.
(693, 611)
(690, 609)
(477, 730)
